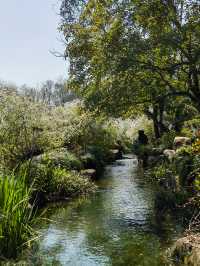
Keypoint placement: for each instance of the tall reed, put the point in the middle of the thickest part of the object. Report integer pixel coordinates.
(15, 216)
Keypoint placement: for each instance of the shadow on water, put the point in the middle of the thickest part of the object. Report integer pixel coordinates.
(115, 226)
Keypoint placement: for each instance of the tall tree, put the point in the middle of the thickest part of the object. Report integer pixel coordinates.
(127, 55)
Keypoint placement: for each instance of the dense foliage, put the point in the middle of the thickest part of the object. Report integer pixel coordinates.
(43, 154)
(130, 56)
(128, 59)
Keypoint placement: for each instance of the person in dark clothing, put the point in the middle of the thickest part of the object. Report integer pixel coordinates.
(142, 138)
(140, 147)
(120, 147)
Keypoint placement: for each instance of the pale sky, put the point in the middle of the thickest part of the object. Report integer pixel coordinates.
(28, 32)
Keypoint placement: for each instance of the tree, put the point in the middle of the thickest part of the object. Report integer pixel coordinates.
(31, 93)
(172, 28)
(46, 92)
(61, 94)
(127, 56)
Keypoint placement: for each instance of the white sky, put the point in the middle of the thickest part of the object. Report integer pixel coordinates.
(28, 32)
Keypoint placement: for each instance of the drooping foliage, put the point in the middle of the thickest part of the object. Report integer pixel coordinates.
(134, 56)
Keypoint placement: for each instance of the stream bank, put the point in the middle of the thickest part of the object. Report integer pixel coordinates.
(117, 225)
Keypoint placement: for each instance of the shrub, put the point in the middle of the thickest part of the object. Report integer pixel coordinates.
(192, 125)
(197, 182)
(159, 172)
(21, 130)
(28, 129)
(48, 178)
(167, 199)
(102, 139)
(67, 183)
(187, 132)
(185, 151)
(167, 139)
(86, 130)
(61, 158)
(184, 166)
(196, 147)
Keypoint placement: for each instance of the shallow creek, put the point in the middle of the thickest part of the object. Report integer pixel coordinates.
(117, 225)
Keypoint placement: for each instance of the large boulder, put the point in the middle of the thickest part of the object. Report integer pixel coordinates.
(89, 173)
(116, 153)
(186, 251)
(181, 141)
(169, 154)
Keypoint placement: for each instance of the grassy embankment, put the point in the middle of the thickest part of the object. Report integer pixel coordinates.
(175, 168)
(44, 153)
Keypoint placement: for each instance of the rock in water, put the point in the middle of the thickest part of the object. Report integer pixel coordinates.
(181, 141)
(90, 173)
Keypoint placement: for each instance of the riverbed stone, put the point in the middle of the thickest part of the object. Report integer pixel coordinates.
(115, 154)
(169, 154)
(90, 173)
(181, 141)
(187, 250)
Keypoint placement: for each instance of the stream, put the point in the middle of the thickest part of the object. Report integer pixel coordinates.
(117, 225)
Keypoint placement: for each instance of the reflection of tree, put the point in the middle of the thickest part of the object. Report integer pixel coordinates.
(89, 227)
(166, 225)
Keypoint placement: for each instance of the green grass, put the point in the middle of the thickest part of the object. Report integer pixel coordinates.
(15, 216)
(68, 183)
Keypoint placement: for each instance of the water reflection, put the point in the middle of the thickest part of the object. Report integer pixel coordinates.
(115, 226)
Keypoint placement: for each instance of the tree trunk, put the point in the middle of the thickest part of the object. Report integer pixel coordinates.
(156, 129)
(162, 127)
(154, 117)
(156, 122)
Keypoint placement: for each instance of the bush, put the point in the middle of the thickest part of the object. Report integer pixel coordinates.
(159, 172)
(192, 125)
(66, 183)
(185, 151)
(102, 140)
(22, 130)
(28, 129)
(61, 158)
(167, 139)
(187, 163)
(49, 178)
(184, 167)
(197, 182)
(86, 130)
(187, 132)
(196, 147)
(15, 216)
(167, 199)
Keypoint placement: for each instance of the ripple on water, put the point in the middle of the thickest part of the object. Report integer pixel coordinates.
(115, 226)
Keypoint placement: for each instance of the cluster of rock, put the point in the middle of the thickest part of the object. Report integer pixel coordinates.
(186, 250)
(178, 143)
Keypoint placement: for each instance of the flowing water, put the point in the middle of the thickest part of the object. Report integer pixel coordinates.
(117, 225)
